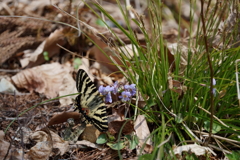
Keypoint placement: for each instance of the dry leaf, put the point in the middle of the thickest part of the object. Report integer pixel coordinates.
(7, 86)
(59, 143)
(46, 141)
(193, 148)
(101, 57)
(143, 133)
(23, 134)
(115, 115)
(45, 79)
(88, 144)
(118, 112)
(85, 65)
(115, 127)
(222, 93)
(49, 45)
(176, 86)
(68, 87)
(40, 151)
(63, 117)
(90, 133)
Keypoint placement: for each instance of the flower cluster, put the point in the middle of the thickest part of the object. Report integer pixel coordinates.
(126, 91)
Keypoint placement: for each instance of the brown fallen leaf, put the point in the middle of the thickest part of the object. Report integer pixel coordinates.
(101, 57)
(143, 133)
(63, 117)
(115, 127)
(36, 57)
(7, 86)
(68, 87)
(119, 112)
(222, 93)
(46, 142)
(88, 144)
(41, 151)
(59, 143)
(45, 79)
(90, 133)
(115, 115)
(176, 86)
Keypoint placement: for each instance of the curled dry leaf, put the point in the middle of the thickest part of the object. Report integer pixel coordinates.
(59, 143)
(45, 79)
(63, 117)
(39, 136)
(143, 133)
(45, 143)
(115, 127)
(176, 86)
(88, 144)
(193, 148)
(41, 151)
(49, 45)
(23, 134)
(7, 86)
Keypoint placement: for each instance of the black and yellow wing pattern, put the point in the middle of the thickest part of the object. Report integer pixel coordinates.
(90, 103)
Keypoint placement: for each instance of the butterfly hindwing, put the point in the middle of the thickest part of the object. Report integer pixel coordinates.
(89, 99)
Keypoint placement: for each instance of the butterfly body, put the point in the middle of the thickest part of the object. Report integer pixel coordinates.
(90, 103)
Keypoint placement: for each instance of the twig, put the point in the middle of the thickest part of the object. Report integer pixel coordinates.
(211, 71)
(213, 116)
(165, 140)
(218, 137)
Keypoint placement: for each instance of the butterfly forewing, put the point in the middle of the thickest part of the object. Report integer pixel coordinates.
(90, 99)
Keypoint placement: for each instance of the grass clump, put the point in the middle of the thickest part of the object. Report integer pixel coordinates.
(190, 96)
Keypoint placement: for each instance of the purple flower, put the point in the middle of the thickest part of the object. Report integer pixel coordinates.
(101, 89)
(106, 91)
(214, 82)
(125, 96)
(214, 89)
(108, 98)
(131, 88)
(115, 88)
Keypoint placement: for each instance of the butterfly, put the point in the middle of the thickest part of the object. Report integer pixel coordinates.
(90, 103)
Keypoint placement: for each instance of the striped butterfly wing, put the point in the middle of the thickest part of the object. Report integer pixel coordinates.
(90, 103)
